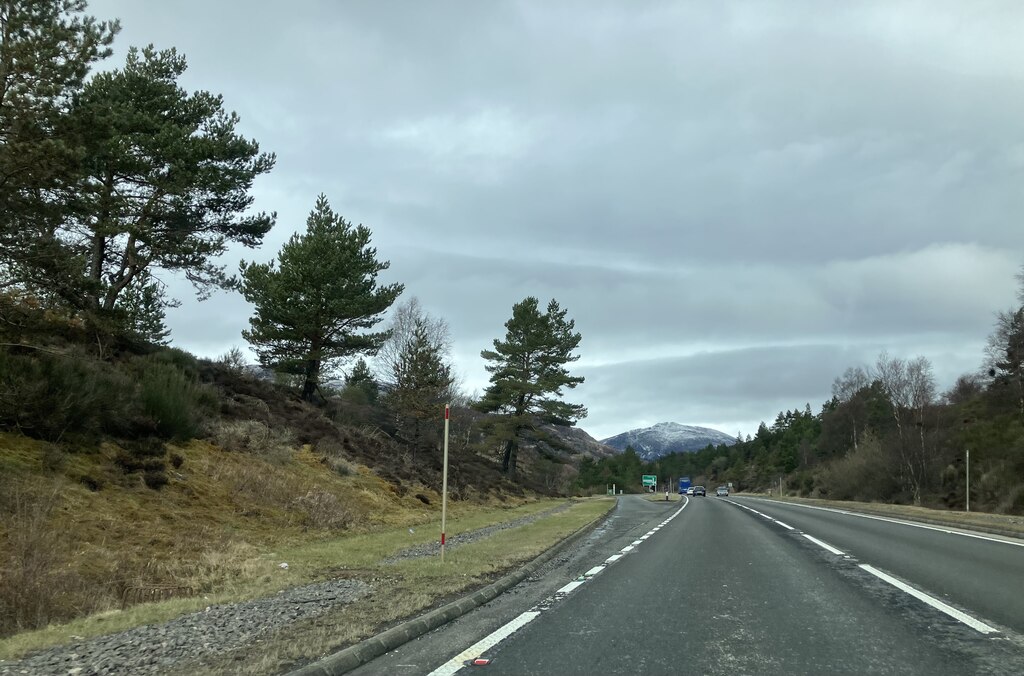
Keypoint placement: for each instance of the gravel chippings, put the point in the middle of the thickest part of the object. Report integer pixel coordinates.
(433, 548)
(158, 649)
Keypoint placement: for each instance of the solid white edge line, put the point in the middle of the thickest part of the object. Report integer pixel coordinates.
(977, 625)
(569, 587)
(823, 545)
(784, 525)
(456, 663)
(903, 523)
(483, 645)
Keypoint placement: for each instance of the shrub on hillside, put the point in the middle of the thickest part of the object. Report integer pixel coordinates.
(334, 455)
(173, 398)
(323, 511)
(37, 586)
(274, 444)
(51, 395)
(862, 474)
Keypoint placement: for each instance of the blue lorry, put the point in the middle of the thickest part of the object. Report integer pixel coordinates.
(684, 483)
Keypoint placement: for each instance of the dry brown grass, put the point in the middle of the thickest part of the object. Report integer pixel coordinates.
(214, 534)
(274, 444)
(410, 588)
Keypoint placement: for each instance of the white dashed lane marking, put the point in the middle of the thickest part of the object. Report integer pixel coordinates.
(823, 545)
(959, 615)
(977, 625)
(476, 650)
(483, 645)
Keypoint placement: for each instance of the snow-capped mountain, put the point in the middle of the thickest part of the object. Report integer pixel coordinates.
(653, 442)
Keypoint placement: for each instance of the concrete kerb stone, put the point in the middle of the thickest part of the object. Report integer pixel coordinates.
(359, 654)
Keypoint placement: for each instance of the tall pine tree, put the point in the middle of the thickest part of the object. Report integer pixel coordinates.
(528, 373)
(46, 50)
(312, 307)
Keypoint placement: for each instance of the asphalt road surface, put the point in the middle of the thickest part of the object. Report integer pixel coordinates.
(746, 586)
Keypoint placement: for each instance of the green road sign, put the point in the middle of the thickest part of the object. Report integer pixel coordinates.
(650, 480)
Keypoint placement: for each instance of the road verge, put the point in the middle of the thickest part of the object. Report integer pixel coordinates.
(359, 654)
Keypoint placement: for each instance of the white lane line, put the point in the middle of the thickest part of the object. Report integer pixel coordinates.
(569, 587)
(644, 537)
(456, 663)
(483, 645)
(977, 625)
(823, 545)
(636, 542)
(784, 525)
(1015, 543)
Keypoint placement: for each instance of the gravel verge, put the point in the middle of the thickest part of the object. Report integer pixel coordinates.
(434, 548)
(159, 649)
(163, 648)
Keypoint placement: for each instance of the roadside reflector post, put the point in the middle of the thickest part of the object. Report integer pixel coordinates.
(968, 479)
(444, 480)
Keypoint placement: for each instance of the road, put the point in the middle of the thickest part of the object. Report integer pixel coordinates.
(746, 586)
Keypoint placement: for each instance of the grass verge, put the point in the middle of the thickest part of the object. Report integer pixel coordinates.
(257, 573)
(660, 497)
(406, 589)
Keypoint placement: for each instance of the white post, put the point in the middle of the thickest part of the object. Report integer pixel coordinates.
(444, 480)
(968, 479)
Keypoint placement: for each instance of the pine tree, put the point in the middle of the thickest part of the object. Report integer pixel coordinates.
(361, 380)
(166, 181)
(312, 306)
(46, 50)
(421, 385)
(528, 372)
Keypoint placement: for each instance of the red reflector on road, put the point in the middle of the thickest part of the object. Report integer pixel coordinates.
(481, 662)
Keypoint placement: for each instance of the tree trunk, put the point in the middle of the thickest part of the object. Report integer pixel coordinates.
(312, 370)
(508, 460)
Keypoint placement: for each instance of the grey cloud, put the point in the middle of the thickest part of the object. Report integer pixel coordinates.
(689, 179)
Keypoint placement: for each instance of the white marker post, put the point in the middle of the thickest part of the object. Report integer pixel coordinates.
(968, 479)
(444, 480)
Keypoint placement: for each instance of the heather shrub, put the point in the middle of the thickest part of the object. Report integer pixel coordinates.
(50, 395)
(173, 399)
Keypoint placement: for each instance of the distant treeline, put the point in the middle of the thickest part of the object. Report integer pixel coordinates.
(886, 435)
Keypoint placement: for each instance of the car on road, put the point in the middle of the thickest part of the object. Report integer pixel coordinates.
(722, 492)
(700, 490)
(689, 491)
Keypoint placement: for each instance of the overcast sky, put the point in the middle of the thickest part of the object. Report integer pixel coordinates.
(734, 201)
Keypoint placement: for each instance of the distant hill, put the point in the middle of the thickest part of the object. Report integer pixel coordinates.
(653, 442)
(575, 441)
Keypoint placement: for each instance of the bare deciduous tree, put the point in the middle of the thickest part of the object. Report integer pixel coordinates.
(418, 378)
(910, 388)
(846, 387)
